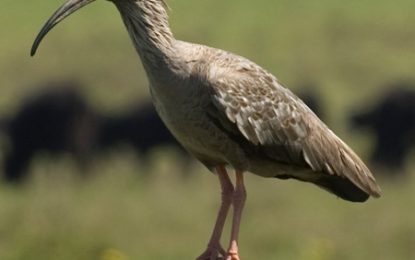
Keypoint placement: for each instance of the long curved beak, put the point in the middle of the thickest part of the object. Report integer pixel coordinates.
(64, 11)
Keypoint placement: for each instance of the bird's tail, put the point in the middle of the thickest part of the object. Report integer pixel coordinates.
(342, 172)
(342, 188)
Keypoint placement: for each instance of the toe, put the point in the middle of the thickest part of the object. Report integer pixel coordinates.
(213, 253)
(232, 256)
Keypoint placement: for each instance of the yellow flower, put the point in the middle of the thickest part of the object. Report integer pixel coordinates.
(113, 254)
(318, 249)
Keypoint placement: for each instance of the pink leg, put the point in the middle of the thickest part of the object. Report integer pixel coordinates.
(215, 250)
(238, 201)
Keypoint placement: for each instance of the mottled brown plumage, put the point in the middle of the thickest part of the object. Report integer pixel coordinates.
(226, 110)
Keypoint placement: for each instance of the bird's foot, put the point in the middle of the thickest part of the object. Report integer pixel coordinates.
(232, 256)
(214, 252)
(233, 251)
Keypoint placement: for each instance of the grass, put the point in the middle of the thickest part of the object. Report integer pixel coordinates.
(347, 50)
(121, 212)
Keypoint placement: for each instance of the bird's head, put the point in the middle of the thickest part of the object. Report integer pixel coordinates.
(71, 6)
(64, 11)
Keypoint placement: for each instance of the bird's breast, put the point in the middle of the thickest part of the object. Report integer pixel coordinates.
(184, 112)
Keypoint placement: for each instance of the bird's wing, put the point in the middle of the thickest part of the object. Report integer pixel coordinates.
(273, 119)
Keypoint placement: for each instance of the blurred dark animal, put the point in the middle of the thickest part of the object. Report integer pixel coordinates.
(392, 121)
(140, 127)
(312, 100)
(55, 121)
(59, 120)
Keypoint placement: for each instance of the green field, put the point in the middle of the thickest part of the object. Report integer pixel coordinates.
(163, 216)
(127, 209)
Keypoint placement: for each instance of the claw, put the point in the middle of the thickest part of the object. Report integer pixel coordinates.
(213, 253)
(232, 256)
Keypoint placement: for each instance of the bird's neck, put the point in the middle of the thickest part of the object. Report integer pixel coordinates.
(147, 24)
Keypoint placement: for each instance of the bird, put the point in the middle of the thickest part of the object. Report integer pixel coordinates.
(229, 112)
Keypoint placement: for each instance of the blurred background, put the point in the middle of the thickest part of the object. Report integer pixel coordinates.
(89, 172)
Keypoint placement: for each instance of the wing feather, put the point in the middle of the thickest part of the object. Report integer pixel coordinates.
(273, 119)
